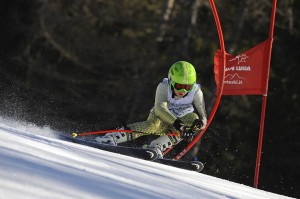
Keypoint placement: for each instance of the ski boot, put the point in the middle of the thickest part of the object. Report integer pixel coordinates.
(160, 144)
(114, 138)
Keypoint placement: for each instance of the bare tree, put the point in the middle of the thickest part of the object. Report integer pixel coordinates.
(167, 10)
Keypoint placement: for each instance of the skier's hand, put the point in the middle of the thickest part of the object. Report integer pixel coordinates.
(178, 125)
(197, 125)
(185, 131)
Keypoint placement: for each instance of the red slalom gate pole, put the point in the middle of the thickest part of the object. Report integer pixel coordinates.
(264, 103)
(213, 112)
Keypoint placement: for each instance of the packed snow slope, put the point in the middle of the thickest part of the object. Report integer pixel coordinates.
(34, 164)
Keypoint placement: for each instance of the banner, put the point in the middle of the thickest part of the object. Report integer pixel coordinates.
(246, 73)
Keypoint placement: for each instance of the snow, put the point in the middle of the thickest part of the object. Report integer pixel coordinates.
(35, 164)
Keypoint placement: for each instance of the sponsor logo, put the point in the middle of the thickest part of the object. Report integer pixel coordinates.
(235, 78)
(151, 154)
(240, 58)
(196, 165)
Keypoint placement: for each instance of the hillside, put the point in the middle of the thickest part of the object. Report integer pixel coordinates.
(34, 164)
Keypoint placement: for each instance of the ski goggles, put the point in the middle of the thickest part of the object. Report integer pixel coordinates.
(183, 87)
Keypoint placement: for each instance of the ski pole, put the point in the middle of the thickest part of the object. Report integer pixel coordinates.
(100, 132)
(110, 131)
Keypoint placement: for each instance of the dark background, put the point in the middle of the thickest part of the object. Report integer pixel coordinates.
(93, 64)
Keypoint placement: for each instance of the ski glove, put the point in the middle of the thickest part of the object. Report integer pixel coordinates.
(185, 131)
(197, 125)
(178, 125)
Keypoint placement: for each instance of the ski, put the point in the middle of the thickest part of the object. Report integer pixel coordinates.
(188, 165)
(146, 154)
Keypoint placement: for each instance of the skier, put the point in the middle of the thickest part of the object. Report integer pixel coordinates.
(173, 111)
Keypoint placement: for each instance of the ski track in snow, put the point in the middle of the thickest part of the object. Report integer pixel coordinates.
(34, 164)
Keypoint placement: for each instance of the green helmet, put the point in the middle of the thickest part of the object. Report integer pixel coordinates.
(182, 72)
